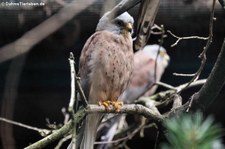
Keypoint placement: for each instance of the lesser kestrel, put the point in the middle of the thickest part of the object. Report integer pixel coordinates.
(143, 76)
(145, 73)
(105, 68)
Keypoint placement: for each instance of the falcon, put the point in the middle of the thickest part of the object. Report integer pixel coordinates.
(148, 69)
(106, 64)
(142, 79)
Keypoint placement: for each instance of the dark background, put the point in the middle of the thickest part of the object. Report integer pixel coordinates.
(44, 83)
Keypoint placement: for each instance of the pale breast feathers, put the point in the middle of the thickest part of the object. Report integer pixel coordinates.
(110, 64)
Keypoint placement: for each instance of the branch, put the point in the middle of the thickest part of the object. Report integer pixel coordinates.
(163, 94)
(215, 81)
(46, 28)
(57, 134)
(43, 132)
(122, 7)
(168, 86)
(194, 84)
(185, 38)
(163, 98)
(80, 90)
(73, 98)
(222, 3)
(146, 17)
(131, 109)
(149, 113)
(203, 53)
(9, 97)
(62, 141)
(51, 138)
(73, 86)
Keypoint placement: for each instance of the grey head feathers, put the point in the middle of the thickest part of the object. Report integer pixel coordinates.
(114, 25)
(152, 51)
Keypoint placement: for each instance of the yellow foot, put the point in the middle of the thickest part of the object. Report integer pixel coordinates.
(106, 104)
(116, 105)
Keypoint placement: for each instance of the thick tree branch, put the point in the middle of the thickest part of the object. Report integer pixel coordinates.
(146, 18)
(222, 3)
(123, 6)
(130, 109)
(51, 138)
(40, 32)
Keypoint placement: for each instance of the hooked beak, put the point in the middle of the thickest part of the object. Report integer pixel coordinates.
(165, 56)
(129, 27)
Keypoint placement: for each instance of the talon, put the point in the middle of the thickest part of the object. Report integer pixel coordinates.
(117, 105)
(106, 104)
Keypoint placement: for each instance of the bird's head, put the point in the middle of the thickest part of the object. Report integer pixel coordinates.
(123, 24)
(152, 51)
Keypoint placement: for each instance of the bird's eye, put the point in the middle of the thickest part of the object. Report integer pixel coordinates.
(119, 22)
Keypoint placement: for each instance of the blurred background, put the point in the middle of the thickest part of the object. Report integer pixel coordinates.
(35, 86)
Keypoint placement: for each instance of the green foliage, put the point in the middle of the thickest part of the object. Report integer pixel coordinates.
(191, 131)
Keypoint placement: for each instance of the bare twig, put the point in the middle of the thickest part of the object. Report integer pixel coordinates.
(65, 114)
(183, 75)
(42, 132)
(73, 87)
(185, 38)
(81, 92)
(194, 84)
(57, 134)
(72, 98)
(129, 135)
(168, 86)
(62, 141)
(163, 98)
(158, 28)
(130, 132)
(203, 54)
(214, 83)
(164, 94)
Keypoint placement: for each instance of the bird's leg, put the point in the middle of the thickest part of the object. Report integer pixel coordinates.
(106, 104)
(116, 105)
